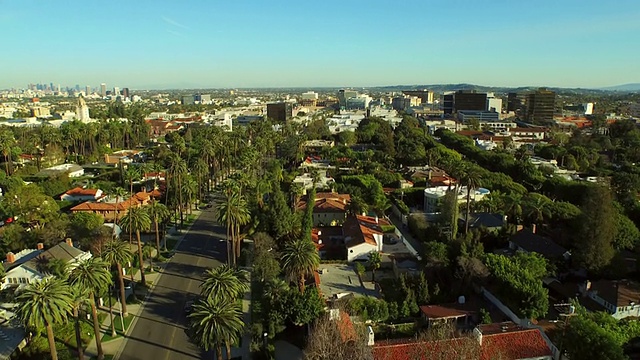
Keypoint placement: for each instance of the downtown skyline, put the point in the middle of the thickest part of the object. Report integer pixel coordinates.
(158, 45)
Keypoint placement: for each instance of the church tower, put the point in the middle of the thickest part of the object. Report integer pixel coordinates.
(82, 110)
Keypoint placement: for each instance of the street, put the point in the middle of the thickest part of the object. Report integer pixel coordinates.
(159, 332)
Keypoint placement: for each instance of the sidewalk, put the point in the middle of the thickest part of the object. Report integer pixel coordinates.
(244, 351)
(114, 346)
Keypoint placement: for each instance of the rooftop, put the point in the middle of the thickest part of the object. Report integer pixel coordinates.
(442, 312)
(619, 293)
(532, 242)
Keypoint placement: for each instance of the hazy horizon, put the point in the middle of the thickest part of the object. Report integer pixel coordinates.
(252, 44)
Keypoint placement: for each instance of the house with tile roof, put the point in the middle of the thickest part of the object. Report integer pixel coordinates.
(438, 314)
(330, 209)
(108, 207)
(27, 265)
(81, 194)
(505, 341)
(620, 298)
(362, 235)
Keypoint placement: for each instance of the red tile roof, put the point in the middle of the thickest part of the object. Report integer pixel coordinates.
(510, 341)
(78, 191)
(411, 349)
(362, 228)
(441, 312)
(327, 202)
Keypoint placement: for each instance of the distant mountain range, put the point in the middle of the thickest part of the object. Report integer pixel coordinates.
(626, 87)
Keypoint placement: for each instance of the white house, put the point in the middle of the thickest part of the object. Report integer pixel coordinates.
(432, 196)
(80, 194)
(29, 265)
(72, 170)
(363, 235)
(620, 298)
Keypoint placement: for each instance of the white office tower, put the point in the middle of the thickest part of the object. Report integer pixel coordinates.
(82, 110)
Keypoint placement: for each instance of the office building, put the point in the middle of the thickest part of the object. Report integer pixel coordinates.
(447, 102)
(116, 91)
(310, 95)
(203, 98)
(469, 100)
(425, 96)
(103, 89)
(514, 102)
(87, 90)
(540, 106)
(493, 103)
(187, 99)
(359, 102)
(125, 92)
(400, 103)
(280, 112)
(465, 116)
(343, 95)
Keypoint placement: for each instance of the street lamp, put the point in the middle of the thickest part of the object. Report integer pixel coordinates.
(265, 336)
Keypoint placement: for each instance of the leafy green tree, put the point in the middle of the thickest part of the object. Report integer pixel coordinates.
(137, 220)
(448, 217)
(43, 304)
(216, 322)
(627, 234)
(584, 339)
(471, 178)
(30, 205)
(359, 269)
(282, 220)
(303, 308)
(224, 281)
(375, 260)
(300, 259)
(94, 276)
(264, 257)
(84, 224)
(117, 253)
(596, 230)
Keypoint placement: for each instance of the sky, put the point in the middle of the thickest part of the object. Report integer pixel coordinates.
(158, 44)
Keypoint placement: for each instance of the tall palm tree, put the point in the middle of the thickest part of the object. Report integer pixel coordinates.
(158, 213)
(233, 212)
(147, 251)
(78, 298)
(471, 179)
(375, 260)
(216, 321)
(137, 219)
(94, 276)
(512, 206)
(224, 281)
(300, 259)
(536, 208)
(43, 304)
(176, 174)
(120, 193)
(117, 253)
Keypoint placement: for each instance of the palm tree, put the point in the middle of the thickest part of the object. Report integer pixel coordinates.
(299, 259)
(94, 276)
(120, 193)
(158, 213)
(137, 219)
(512, 206)
(224, 281)
(147, 251)
(536, 208)
(43, 304)
(216, 321)
(375, 260)
(78, 297)
(233, 212)
(117, 253)
(471, 178)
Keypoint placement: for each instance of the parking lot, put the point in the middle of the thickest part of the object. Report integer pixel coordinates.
(341, 279)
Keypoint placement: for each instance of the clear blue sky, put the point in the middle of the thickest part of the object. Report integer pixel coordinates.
(258, 43)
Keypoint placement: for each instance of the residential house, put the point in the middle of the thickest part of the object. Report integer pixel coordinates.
(27, 265)
(317, 145)
(530, 133)
(330, 209)
(71, 170)
(528, 241)
(329, 241)
(108, 208)
(491, 222)
(506, 341)
(433, 196)
(620, 298)
(438, 314)
(80, 194)
(363, 235)
(122, 156)
(306, 181)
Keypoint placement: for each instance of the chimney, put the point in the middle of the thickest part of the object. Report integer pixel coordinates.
(11, 257)
(40, 246)
(69, 241)
(370, 340)
(533, 228)
(478, 334)
(377, 222)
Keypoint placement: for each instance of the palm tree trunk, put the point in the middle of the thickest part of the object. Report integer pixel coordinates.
(96, 325)
(228, 346)
(123, 300)
(373, 275)
(79, 347)
(142, 278)
(113, 326)
(52, 342)
(466, 216)
(218, 352)
(238, 240)
(155, 223)
(301, 284)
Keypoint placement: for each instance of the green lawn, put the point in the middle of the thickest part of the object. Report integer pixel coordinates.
(118, 326)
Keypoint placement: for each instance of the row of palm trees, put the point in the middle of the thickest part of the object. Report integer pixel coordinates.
(216, 318)
(52, 300)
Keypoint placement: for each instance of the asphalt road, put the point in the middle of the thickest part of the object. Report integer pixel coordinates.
(159, 333)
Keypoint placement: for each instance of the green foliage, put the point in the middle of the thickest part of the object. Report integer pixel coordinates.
(485, 316)
(519, 280)
(299, 260)
(56, 185)
(84, 224)
(224, 281)
(586, 338)
(595, 230)
(367, 187)
(627, 234)
(304, 308)
(368, 308)
(264, 258)
(437, 253)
